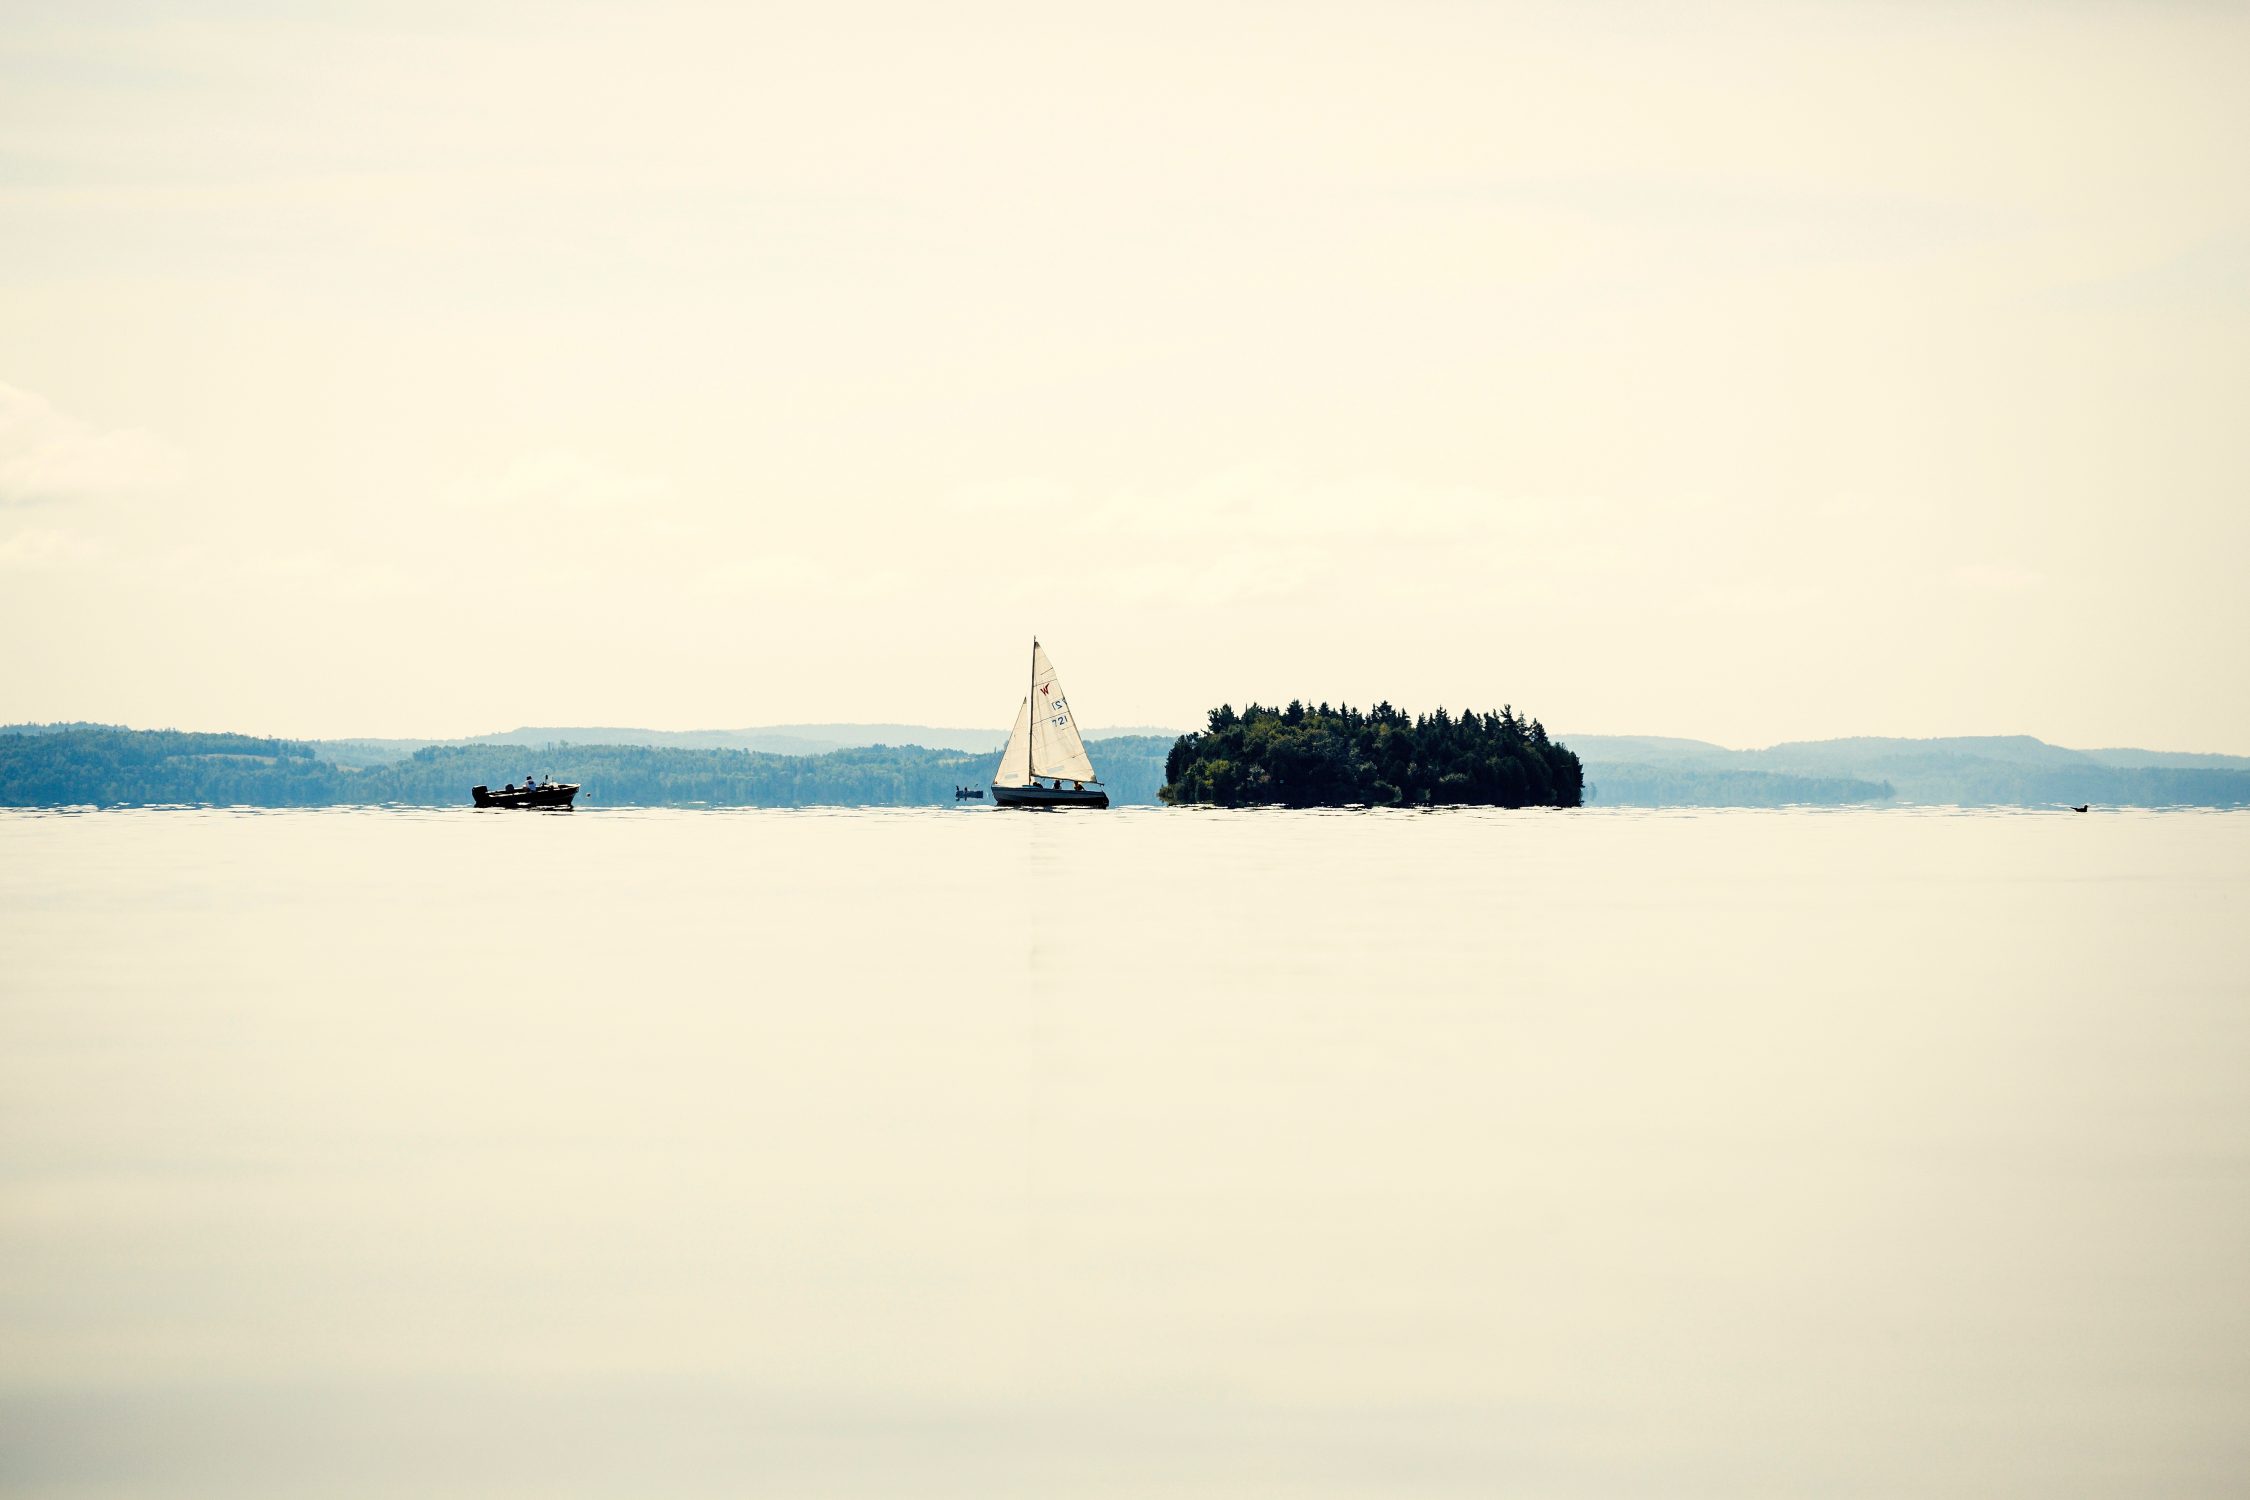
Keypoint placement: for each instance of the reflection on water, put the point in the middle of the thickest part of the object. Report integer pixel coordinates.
(960, 1153)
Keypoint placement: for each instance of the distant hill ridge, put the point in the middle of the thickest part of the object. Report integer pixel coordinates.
(107, 767)
(104, 763)
(775, 739)
(2022, 748)
(1968, 770)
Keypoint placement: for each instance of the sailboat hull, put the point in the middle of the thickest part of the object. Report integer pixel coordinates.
(1040, 796)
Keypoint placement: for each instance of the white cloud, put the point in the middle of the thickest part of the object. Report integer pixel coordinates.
(1997, 577)
(1758, 598)
(556, 478)
(48, 455)
(1269, 532)
(42, 547)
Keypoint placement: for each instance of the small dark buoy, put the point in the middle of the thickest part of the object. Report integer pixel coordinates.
(2081, 807)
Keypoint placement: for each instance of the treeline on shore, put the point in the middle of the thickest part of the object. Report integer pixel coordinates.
(1631, 785)
(1962, 771)
(61, 765)
(101, 766)
(1302, 756)
(1675, 786)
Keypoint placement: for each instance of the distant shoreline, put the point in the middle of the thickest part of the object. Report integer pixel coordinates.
(98, 765)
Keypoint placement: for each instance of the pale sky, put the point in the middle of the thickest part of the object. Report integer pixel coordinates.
(1749, 372)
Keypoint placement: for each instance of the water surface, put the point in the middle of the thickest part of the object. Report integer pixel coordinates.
(1190, 1154)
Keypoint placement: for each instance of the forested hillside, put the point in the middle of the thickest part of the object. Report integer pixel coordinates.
(776, 739)
(1611, 784)
(80, 765)
(1968, 771)
(1258, 755)
(73, 764)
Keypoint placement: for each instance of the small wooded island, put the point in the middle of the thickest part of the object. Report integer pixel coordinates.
(1336, 757)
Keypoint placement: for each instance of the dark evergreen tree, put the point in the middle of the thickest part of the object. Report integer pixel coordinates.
(1323, 757)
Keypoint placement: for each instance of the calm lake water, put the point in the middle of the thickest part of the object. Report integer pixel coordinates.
(972, 1154)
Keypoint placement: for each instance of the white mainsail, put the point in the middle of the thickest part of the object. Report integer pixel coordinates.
(1056, 749)
(1015, 761)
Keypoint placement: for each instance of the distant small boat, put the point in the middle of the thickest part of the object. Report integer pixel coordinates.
(2081, 807)
(1046, 743)
(553, 794)
(965, 793)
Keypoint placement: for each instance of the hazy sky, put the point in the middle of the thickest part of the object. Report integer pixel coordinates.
(1741, 371)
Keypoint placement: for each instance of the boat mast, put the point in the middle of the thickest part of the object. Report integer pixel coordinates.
(1030, 735)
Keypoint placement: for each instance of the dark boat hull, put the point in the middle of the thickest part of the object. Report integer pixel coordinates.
(1040, 796)
(557, 795)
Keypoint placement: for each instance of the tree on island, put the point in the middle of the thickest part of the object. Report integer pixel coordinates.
(1333, 757)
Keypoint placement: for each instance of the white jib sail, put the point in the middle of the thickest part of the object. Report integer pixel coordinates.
(1056, 749)
(1015, 761)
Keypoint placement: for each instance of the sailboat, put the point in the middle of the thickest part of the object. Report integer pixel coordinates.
(1045, 745)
